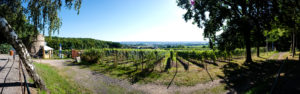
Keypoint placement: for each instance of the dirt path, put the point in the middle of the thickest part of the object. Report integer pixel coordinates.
(281, 55)
(162, 89)
(98, 82)
(272, 57)
(9, 76)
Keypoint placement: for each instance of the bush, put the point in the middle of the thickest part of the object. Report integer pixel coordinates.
(92, 56)
(4, 48)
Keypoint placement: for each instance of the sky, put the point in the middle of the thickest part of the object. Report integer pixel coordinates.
(129, 20)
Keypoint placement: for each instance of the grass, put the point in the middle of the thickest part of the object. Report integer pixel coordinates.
(192, 77)
(195, 74)
(296, 57)
(256, 90)
(56, 83)
(263, 56)
(219, 89)
(261, 74)
(286, 55)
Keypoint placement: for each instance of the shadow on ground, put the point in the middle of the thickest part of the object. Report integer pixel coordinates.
(259, 77)
(14, 84)
(131, 72)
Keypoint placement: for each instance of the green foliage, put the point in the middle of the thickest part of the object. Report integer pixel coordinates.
(4, 48)
(190, 48)
(274, 34)
(27, 35)
(92, 55)
(136, 55)
(41, 14)
(80, 43)
(134, 64)
(149, 65)
(200, 55)
(173, 55)
(237, 19)
(230, 39)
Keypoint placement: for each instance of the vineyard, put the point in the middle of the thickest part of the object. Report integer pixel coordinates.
(158, 66)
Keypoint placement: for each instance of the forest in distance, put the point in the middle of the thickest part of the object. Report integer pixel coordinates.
(79, 43)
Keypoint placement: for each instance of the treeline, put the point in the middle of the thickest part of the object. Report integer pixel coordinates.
(80, 43)
(246, 23)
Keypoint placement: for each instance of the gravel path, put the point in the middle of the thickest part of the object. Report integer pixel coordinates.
(162, 89)
(97, 82)
(9, 76)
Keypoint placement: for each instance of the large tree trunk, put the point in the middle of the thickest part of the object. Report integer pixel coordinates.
(248, 46)
(210, 44)
(293, 43)
(257, 45)
(257, 51)
(267, 47)
(12, 38)
(258, 31)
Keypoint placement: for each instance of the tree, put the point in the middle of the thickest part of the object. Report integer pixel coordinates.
(80, 43)
(275, 34)
(288, 14)
(15, 14)
(259, 39)
(213, 14)
(229, 40)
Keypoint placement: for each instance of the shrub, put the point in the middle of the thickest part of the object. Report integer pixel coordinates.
(4, 48)
(92, 56)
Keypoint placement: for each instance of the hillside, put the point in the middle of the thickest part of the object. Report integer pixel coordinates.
(80, 43)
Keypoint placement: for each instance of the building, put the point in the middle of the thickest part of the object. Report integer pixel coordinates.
(47, 51)
(40, 49)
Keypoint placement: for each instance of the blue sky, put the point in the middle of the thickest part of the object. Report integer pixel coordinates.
(129, 20)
